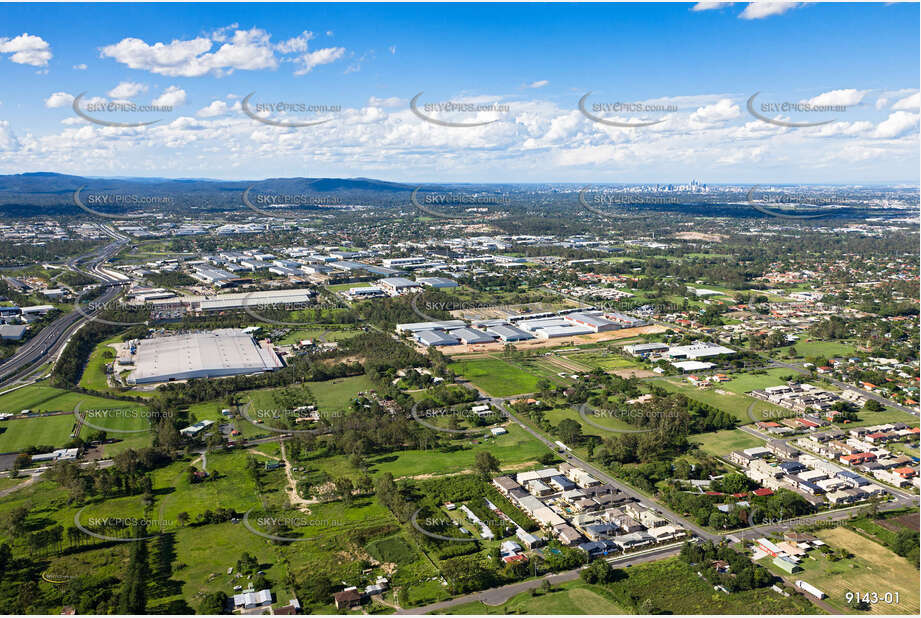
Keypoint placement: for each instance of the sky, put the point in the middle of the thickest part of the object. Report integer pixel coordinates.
(515, 74)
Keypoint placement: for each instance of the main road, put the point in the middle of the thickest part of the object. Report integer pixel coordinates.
(48, 342)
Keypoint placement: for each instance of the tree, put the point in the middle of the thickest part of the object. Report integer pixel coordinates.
(486, 463)
(213, 603)
(570, 431)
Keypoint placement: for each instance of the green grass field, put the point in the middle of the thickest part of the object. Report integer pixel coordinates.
(40, 398)
(332, 333)
(571, 598)
(720, 443)
(496, 377)
(827, 349)
(513, 450)
(46, 430)
(727, 401)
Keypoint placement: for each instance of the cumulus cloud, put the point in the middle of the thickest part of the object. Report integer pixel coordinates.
(759, 10)
(80, 67)
(171, 97)
(127, 90)
(313, 59)
(707, 6)
(717, 113)
(220, 53)
(59, 99)
(912, 102)
(388, 102)
(897, 124)
(538, 84)
(27, 49)
(8, 140)
(847, 97)
(216, 108)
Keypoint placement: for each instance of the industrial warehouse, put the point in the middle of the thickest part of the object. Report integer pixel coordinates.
(219, 353)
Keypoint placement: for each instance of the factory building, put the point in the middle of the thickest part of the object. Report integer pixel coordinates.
(219, 353)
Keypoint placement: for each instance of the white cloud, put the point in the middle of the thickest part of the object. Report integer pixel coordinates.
(758, 10)
(706, 6)
(27, 49)
(296, 44)
(313, 59)
(717, 113)
(538, 84)
(171, 97)
(80, 67)
(8, 140)
(388, 102)
(846, 97)
(216, 108)
(247, 50)
(59, 99)
(882, 102)
(912, 102)
(127, 90)
(392, 49)
(897, 124)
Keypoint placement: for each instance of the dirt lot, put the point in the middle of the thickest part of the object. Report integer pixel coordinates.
(909, 521)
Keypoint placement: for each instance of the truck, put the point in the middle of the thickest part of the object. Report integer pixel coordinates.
(562, 447)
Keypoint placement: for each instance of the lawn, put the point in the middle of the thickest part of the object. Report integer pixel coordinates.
(337, 394)
(40, 398)
(571, 598)
(20, 434)
(825, 349)
(747, 382)
(496, 376)
(727, 401)
(720, 443)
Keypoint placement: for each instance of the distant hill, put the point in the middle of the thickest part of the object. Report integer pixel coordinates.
(48, 193)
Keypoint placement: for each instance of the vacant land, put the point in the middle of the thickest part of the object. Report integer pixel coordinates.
(725, 400)
(50, 399)
(19, 434)
(496, 376)
(720, 443)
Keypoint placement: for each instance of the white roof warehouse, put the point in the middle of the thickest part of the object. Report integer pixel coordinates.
(220, 353)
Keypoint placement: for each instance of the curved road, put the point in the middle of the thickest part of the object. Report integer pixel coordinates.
(49, 341)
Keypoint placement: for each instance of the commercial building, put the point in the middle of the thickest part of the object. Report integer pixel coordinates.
(699, 349)
(398, 285)
(219, 353)
(437, 282)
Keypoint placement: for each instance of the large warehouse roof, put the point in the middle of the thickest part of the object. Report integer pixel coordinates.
(223, 352)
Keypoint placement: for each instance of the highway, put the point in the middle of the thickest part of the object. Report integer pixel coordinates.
(46, 344)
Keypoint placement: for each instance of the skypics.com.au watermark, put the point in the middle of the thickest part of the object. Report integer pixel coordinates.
(474, 205)
(789, 204)
(106, 528)
(262, 417)
(599, 200)
(620, 107)
(472, 110)
(100, 418)
(119, 199)
(115, 107)
(784, 107)
(280, 205)
(284, 107)
(627, 415)
(279, 528)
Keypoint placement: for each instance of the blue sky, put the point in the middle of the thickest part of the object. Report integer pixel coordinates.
(696, 65)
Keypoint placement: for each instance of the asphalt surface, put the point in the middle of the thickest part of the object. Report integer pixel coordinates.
(51, 339)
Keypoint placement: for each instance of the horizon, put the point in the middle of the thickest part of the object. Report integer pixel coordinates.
(585, 93)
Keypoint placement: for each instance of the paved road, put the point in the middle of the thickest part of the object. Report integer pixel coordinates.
(498, 596)
(49, 341)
